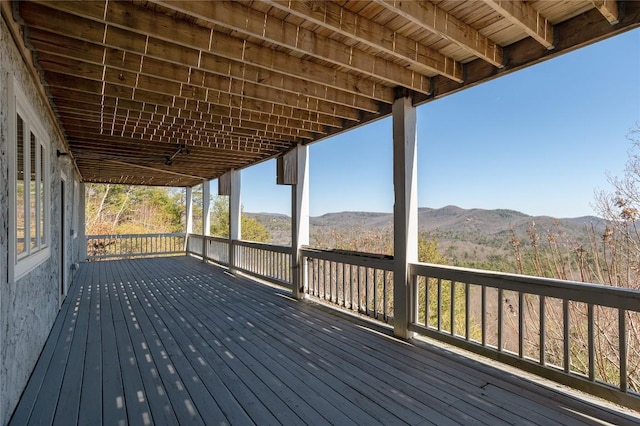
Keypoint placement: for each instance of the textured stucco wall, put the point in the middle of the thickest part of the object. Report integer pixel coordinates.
(4, 205)
(28, 306)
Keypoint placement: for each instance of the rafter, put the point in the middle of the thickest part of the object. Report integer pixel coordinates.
(336, 18)
(120, 93)
(209, 65)
(447, 26)
(251, 22)
(608, 9)
(203, 84)
(185, 43)
(526, 17)
(155, 169)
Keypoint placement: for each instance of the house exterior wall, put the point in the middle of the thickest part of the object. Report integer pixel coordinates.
(28, 305)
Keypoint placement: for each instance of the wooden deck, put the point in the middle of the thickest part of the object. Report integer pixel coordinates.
(174, 341)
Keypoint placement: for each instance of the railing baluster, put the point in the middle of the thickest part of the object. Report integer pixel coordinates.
(324, 279)
(590, 342)
(483, 318)
(543, 330)
(426, 301)
(467, 307)
(374, 274)
(622, 336)
(344, 286)
(359, 269)
(521, 330)
(565, 323)
(366, 287)
(439, 307)
(452, 314)
(351, 296)
(500, 319)
(384, 295)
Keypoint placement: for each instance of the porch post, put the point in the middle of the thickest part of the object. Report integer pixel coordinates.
(235, 228)
(188, 201)
(299, 220)
(206, 217)
(405, 212)
(82, 222)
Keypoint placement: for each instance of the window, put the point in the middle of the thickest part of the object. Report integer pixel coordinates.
(29, 187)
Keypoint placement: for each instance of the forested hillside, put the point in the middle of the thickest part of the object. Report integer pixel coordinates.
(130, 209)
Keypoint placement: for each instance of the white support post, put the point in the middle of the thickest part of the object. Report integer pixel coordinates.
(299, 220)
(405, 212)
(235, 228)
(188, 201)
(82, 222)
(206, 216)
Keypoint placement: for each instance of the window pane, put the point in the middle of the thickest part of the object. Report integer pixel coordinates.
(32, 194)
(20, 186)
(43, 230)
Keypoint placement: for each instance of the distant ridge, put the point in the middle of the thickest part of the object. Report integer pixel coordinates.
(450, 225)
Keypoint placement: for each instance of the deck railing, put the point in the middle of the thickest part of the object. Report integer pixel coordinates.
(360, 282)
(267, 261)
(574, 333)
(216, 249)
(134, 245)
(578, 334)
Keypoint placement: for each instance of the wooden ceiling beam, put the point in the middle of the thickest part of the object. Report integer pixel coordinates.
(526, 17)
(76, 99)
(249, 146)
(447, 26)
(71, 107)
(133, 151)
(74, 103)
(210, 66)
(206, 84)
(157, 127)
(330, 15)
(86, 147)
(177, 104)
(155, 169)
(253, 23)
(608, 9)
(189, 134)
(163, 37)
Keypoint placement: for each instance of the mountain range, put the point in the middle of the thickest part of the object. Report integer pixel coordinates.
(476, 233)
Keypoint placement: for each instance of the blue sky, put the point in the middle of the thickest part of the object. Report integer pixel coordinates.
(540, 140)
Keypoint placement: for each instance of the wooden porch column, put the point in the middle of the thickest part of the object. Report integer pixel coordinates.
(206, 216)
(235, 226)
(299, 220)
(405, 211)
(189, 209)
(188, 204)
(82, 222)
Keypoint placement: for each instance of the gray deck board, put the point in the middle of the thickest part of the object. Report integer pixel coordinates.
(175, 341)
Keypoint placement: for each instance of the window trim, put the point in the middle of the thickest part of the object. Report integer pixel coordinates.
(21, 265)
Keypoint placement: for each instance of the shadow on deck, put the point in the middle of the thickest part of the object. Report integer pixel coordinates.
(175, 341)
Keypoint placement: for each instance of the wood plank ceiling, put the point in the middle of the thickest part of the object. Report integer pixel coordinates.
(174, 92)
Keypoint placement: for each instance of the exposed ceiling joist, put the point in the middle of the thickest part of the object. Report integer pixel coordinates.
(609, 9)
(237, 17)
(239, 82)
(447, 26)
(330, 15)
(525, 16)
(209, 66)
(148, 35)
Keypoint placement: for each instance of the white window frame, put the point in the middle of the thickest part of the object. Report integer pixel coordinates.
(22, 264)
